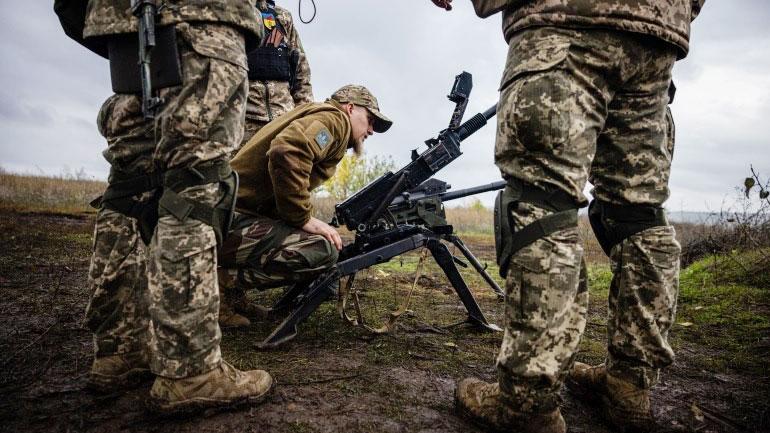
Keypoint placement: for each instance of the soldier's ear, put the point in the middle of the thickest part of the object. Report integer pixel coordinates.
(349, 108)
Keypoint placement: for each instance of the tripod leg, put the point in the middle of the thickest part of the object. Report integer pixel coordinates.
(444, 259)
(476, 265)
(289, 298)
(319, 291)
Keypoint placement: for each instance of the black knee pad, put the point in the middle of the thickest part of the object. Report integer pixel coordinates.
(612, 223)
(508, 240)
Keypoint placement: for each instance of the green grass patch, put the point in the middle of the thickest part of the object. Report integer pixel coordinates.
(720, 313)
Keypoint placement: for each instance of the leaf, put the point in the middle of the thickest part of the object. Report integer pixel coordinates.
(685, 324)
(748, 183)
(763, 194)
(450, 345)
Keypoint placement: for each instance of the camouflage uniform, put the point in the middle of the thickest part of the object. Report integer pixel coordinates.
(269, 99)
(267, 246)
(279, 168)
(270, 253)
(201, 120)
(583, 97)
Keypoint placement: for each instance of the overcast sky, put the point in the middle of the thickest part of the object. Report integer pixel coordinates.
(407, 52)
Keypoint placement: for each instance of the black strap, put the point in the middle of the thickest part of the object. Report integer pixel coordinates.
(543, 227)
(508, 240)
(217, 216)
(554, 200)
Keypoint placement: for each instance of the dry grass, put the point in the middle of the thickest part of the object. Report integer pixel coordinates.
(25, 193)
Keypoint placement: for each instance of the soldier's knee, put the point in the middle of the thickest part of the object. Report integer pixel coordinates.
(612, 224)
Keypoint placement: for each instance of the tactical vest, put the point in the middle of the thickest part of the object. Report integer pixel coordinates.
(274, 59)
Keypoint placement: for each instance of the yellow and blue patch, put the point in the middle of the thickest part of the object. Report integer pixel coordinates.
(269, 20)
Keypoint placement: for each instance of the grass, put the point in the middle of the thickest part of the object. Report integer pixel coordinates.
(58, 195)
(723, 312)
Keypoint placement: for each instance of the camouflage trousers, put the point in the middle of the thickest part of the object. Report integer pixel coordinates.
(574, 105)
(269, 253)
(252, 127)
(173, 306)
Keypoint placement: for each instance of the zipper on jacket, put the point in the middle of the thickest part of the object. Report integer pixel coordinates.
(267, 102)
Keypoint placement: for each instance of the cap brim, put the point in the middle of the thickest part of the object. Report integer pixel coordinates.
(381, 123)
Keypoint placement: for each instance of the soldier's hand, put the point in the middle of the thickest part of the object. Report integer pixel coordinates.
(318, 227)
(444, 4)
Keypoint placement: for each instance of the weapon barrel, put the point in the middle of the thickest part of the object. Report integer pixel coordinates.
(453, 195)
(475, 123)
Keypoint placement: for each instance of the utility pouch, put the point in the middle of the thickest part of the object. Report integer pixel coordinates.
(72, 16)
(504, 229)
(270, 63)
(166, 70)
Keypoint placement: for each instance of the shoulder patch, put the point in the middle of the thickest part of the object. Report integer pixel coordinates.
(323, 138)
(269, 20)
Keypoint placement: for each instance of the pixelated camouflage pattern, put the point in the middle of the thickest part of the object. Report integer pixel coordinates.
(270, 99)
(252, 127)
(642, 305)
(578, 103)
(184, 294)
(269, 253)
(545, 315)
(109, 17)
(285, 156)
(360, 95)
(201, 120)
(117, 313)
(668, 20)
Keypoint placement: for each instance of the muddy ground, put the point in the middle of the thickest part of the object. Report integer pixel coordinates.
(332, 378)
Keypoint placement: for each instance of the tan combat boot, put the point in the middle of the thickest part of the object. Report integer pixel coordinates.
(117, 372)
(229, 318)
(622, 404)
(481, 403)
(224, 386)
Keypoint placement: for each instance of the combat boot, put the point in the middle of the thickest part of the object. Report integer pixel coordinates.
(483, 404)
(224, 386)
(229, 318)
(118, 372)
(621, 403)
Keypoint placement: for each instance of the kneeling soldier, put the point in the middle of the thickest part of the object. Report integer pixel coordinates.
(275, 240)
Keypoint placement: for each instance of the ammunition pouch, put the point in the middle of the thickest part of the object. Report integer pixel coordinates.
(508, 240)
(219, 216)
(612, 223)
(121, 196)
(165, 65)
(72, 16)
(269, 63)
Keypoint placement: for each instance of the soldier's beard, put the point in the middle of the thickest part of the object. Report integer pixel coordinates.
(358, 147)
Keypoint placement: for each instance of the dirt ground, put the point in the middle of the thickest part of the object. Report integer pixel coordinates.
(332, 378)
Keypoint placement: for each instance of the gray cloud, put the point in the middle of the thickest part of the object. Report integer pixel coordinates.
(407, 52)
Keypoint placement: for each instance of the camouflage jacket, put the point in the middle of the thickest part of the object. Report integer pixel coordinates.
(110, 17)
(270, 99)
(668, 20)
(291, 155)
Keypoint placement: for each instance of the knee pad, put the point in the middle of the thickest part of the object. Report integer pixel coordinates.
(218, 216)
(612, 224)
(507, 239)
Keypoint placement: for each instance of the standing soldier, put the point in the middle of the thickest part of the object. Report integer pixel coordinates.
(279, 80)
(279, 74)
(583, 97)
(169, 183)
